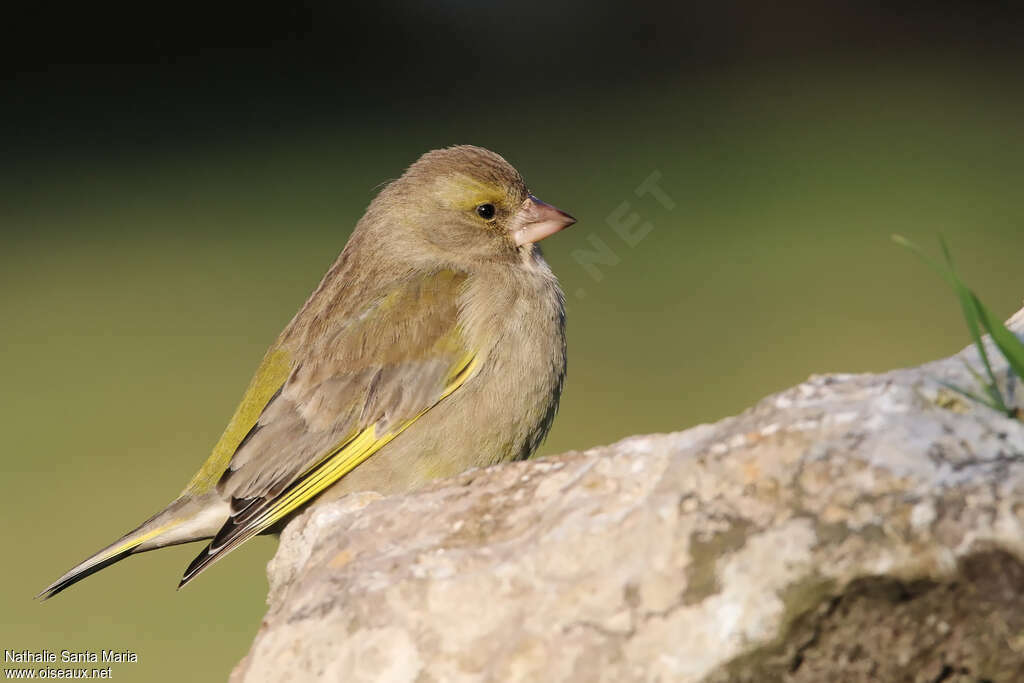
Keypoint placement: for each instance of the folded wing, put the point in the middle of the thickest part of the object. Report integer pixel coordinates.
(359, 381)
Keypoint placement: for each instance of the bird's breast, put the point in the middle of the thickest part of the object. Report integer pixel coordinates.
(517, 321)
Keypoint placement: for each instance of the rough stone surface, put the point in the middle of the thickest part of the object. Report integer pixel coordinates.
(852, 528)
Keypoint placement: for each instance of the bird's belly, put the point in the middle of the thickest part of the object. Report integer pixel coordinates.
(480, 425)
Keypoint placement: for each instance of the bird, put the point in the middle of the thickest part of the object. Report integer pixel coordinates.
(435, 343)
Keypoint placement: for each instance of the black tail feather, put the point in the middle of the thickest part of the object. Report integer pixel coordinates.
(64, 584)
(202, 561)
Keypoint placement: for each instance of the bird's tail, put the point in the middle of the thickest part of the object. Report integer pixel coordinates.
(174, 524)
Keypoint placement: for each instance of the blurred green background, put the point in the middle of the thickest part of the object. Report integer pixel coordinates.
(167, 206)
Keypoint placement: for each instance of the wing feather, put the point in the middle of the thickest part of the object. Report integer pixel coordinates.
(356, 387)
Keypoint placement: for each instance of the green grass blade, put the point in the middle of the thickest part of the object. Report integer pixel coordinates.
(1009, 344)
(919, 252)
(972, 315)
(969, 394)
(995, 398)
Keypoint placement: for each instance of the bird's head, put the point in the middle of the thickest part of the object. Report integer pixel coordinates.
(466, 203)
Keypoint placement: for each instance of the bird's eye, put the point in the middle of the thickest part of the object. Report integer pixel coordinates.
(485, 211)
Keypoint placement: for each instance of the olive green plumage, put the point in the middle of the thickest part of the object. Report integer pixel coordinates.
(433, 344)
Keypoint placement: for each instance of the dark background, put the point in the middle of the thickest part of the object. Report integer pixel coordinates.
(174, 179)
(139, 77)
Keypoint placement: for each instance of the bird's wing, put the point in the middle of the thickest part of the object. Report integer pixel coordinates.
(359, 382)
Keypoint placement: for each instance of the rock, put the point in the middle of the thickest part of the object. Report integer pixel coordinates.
(852, 528)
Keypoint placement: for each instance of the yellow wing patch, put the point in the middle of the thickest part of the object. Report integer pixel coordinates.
(338, 462)
(270, 375)
(345, 458)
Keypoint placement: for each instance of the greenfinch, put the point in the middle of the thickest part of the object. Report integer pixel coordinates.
(434, 343)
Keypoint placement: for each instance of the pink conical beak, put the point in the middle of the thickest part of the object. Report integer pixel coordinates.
(536, 220)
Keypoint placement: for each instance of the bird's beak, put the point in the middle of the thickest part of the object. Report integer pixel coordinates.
(536, 220)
